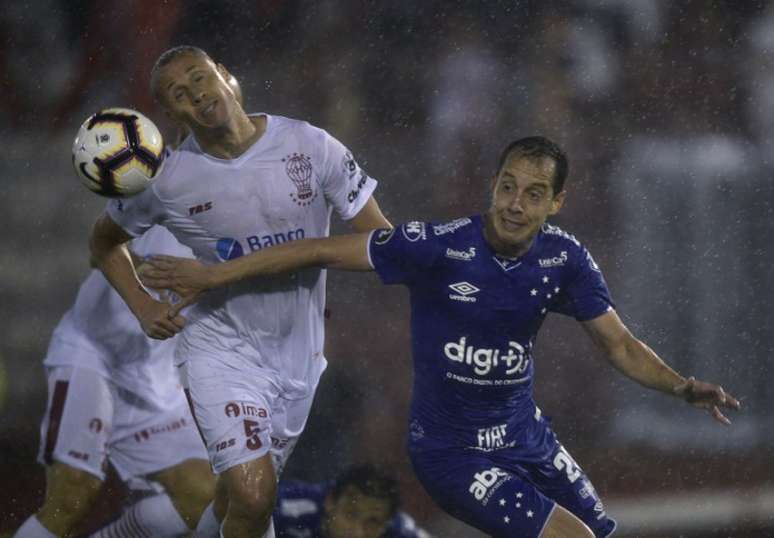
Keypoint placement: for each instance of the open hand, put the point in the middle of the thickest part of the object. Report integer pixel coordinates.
(707, 396)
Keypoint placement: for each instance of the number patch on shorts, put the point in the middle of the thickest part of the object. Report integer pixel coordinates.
(252, 430)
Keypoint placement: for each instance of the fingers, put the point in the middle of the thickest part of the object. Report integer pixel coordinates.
(162, 260)
(154, 277)
(729, 401)
(720, 417)
(174, 310)
(177, 321)
(165, 327)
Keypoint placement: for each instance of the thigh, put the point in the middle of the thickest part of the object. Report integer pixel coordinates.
(161, 440)
(288, 422)
(78, 421)
(560, 478)
(474, 489)
(233, 410)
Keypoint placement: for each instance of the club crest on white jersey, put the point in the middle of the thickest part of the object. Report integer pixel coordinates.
(298, 167)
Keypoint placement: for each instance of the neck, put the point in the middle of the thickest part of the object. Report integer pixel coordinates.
(507, 250)
(232, 139)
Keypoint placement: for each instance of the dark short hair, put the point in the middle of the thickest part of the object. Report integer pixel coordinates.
(370, 481)
(172, 54)
(535, 147)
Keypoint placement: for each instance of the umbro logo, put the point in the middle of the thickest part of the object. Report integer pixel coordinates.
(463, 292)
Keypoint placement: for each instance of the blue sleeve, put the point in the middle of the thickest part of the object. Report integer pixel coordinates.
(404, 526)
(404, 254)
(586, 296)
(298, 508)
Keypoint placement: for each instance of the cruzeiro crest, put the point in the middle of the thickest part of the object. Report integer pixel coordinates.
(299, 169)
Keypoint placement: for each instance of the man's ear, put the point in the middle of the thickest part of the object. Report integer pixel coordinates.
(558, 202)
(223, 71)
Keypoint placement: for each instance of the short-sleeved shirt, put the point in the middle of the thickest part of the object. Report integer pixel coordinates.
(284, 187)
(99, 332)
(301, 505)
(474, 319)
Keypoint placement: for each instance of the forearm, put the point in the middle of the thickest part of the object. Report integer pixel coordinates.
(348, 252)
(115, 262)
(640, 363)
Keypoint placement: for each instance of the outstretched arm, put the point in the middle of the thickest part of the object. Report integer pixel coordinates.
(370, 217)
(637, 361)
(110, 255)
(189, 278)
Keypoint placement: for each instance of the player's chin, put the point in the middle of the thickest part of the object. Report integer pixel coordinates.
(512, 236)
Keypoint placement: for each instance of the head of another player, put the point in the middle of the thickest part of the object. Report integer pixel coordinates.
(361, 504)
(527, 189)
(193, 90)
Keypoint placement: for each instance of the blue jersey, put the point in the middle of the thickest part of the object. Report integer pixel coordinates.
(301, 506)
(474, 319)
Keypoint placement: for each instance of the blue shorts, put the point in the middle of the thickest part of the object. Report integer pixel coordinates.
(505, 494)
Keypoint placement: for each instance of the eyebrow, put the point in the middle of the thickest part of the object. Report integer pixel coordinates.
(190, 68)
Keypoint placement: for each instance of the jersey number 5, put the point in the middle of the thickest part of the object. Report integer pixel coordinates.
(251, 432)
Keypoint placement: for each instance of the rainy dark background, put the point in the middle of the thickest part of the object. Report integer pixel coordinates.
(666, 110)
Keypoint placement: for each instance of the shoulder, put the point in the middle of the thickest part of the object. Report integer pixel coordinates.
(555, 235)
(435, 233)
(453, 228)
(285, 125)
(178, 165)
(562, 248)
(558, 248)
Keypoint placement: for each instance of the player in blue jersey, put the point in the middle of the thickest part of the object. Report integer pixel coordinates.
(361, 503)
(480, 290)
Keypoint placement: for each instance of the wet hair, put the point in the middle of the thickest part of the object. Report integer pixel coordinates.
(172, 54)
(537, 147)
(370, 481)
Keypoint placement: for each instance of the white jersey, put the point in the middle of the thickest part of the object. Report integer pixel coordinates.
(283, 188)
(100, 333)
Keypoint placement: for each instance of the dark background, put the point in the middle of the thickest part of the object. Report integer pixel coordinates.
(666, 110)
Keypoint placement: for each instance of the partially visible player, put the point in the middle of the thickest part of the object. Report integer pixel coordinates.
(252, 356)
(114, 396)
(362, 502)
(481, 288)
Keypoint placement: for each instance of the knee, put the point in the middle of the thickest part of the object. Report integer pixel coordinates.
(257, 502)
(70, 493)
(191, 486)
(563, 524)
(252, 493)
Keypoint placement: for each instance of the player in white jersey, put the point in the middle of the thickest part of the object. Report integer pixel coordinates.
(114, 395)
(251, 354)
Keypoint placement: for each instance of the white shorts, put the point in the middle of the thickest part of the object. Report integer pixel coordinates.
(241, 414)
(90, 420)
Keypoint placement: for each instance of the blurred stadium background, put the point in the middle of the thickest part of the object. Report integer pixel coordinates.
(665, 108)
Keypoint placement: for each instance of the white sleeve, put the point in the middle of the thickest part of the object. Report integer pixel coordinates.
(137, 213)
(346, 186)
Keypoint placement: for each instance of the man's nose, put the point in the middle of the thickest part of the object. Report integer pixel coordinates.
(515, 204)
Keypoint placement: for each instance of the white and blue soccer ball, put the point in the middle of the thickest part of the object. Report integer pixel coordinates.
(118, 152)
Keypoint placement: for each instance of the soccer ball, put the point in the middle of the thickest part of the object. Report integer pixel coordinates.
(118, 152)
